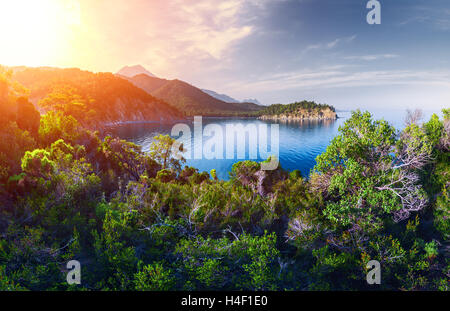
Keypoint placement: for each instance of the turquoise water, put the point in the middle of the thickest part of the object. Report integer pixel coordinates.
(299, 142)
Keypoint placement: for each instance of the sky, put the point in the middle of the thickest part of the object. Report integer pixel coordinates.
(277, 51)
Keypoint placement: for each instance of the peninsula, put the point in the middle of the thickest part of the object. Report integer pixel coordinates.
(304, 110)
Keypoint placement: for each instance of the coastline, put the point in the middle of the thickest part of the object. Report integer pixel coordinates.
(296, 118)
(118, 123)
(191, 118)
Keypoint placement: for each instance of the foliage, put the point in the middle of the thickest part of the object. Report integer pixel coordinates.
(367, 173)
(28, 118)
(278, 109)
(139, 221)
(154, 278)
(14, 142)
(167, 152)
(55, 125)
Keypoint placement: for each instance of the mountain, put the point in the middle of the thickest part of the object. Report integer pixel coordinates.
(93, 98)
(148, 84)
(190, 99)
(131, 71)
(229, 99)
(222, 97)
(255, 101)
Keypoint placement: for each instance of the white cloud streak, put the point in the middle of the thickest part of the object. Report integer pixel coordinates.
(332, 78)
(372, 57)
(329, 45)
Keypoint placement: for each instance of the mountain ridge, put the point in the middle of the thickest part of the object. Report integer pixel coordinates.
(95, 98)
(131, 71)
(190, 99)
(222, 97)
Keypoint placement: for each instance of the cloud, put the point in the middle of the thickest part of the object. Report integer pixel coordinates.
(209, 27)
(438, 18)
(329, 45)
(170, 35)
(372, 57)
(334, 77)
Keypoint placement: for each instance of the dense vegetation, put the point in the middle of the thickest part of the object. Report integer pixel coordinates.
(140, 221)
(92, 98)
(279, 109)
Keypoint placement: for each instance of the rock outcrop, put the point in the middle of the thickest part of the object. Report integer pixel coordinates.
(303, 114)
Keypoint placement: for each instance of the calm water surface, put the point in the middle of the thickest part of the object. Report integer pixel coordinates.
(299, 142)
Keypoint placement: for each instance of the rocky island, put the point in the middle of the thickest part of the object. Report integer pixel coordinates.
(304, 110)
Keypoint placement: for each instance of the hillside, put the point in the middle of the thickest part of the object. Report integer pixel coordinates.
(190, 99)
(304, 110)
(148, 84)
(92, 97)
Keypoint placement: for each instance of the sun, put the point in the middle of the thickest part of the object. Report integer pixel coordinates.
(35, 32)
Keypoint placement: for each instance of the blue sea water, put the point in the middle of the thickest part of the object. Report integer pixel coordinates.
(299, 142)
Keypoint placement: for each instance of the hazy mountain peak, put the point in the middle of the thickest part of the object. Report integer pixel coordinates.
(222, 97)
(131, 71)
(252, 100)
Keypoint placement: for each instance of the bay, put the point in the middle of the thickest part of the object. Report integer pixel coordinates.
(299, 142)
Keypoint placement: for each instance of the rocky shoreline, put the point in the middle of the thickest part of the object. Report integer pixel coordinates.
(302, 115)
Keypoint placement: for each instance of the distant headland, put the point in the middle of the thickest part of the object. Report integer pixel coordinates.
(304, 110)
